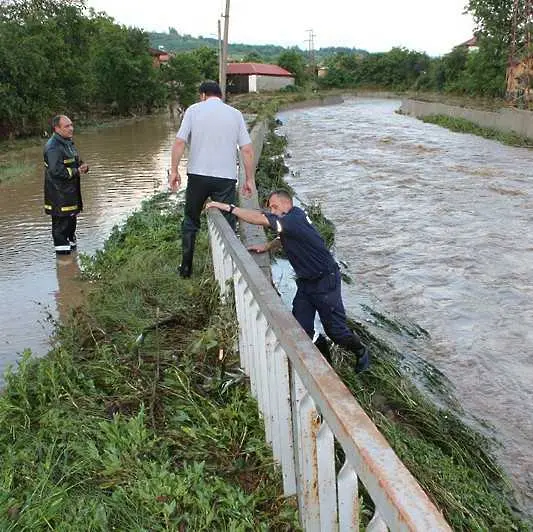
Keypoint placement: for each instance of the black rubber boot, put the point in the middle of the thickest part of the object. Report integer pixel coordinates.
(361, 352)
(187, 242)
(322, 344)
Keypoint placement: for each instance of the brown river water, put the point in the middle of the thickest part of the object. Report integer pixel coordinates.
(434, 227)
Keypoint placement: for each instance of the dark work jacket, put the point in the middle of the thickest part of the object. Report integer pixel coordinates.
(62, 190)
(305, 248)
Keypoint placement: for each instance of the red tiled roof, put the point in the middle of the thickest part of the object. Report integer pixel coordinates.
(470, 43)
(262, 69)
(157, 53)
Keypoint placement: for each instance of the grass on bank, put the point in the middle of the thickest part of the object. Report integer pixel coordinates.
(115, 430)
(17, 158)
(453, 463)
(465, 126)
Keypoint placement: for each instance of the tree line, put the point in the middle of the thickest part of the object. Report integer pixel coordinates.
(59, 56)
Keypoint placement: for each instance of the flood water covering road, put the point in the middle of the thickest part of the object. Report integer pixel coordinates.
(127, 165)
(436, 228)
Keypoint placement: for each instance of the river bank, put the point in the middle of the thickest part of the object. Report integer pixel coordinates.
(507, 125)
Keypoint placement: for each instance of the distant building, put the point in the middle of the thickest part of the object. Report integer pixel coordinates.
(471, 45)
(159, 57)
(322, 71)
(257, 77)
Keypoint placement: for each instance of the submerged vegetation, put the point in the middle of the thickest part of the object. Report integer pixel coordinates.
(139, 418)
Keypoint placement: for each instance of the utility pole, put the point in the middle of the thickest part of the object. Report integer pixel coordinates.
(220, 58)
(311, 56)
(224, 52)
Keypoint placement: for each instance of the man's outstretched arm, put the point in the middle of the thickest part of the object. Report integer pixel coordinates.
(246, 215)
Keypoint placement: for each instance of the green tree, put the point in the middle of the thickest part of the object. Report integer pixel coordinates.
(252, 57)
(342, 68)
(22, 10)
(453, 67)
(485, 71)
(42, 63)
(182, 76)
(493, 18)
(294, 61)
(124, 74)
(207, 61)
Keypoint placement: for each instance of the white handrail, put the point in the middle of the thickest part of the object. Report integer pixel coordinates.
(306, 407)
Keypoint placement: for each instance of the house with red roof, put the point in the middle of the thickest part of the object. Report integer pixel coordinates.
(256, 77)
(159, 57)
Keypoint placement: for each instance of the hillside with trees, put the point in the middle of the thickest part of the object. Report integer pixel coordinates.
(61, 56)
(259, 53)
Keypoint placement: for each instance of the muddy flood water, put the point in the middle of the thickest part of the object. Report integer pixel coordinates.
(127, 165)
(434, 227)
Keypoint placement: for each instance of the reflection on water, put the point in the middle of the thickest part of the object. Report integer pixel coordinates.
(128, 164)
(71, 291)
(436, 228)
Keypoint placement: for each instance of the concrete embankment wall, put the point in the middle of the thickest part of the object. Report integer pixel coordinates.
(506, 120)
(328, 100)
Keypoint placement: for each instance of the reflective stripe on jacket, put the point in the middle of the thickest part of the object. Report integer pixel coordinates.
(62, 190)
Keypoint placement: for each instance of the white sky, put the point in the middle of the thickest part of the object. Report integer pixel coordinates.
(431, 26)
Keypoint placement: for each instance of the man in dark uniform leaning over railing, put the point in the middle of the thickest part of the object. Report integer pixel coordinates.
(318, 277)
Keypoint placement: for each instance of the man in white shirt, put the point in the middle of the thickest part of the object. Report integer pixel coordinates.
(213, 131)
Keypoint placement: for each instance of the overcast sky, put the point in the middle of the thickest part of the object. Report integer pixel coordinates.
(431, 26)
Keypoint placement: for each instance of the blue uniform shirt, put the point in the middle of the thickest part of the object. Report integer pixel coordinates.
(305, 248)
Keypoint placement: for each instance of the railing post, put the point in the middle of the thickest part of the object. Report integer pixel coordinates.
(250, 323)
(306, 424)
(273, 391)
(285, 425)
(327, 487)
(347, 489)
(240, 308)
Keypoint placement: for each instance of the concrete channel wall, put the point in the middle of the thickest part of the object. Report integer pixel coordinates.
(507, 120)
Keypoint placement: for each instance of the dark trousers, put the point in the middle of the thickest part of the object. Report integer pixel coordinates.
(199, 188)
(324, 296)
(63, 232)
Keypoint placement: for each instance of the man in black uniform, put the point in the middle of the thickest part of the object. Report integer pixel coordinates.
(317, 274)
(62, 190)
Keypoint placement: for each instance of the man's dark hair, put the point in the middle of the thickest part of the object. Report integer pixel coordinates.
(280, 192)
(210, 88)
(55, 122)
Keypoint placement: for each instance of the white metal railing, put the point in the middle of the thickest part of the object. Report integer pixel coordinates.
(306, 408)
